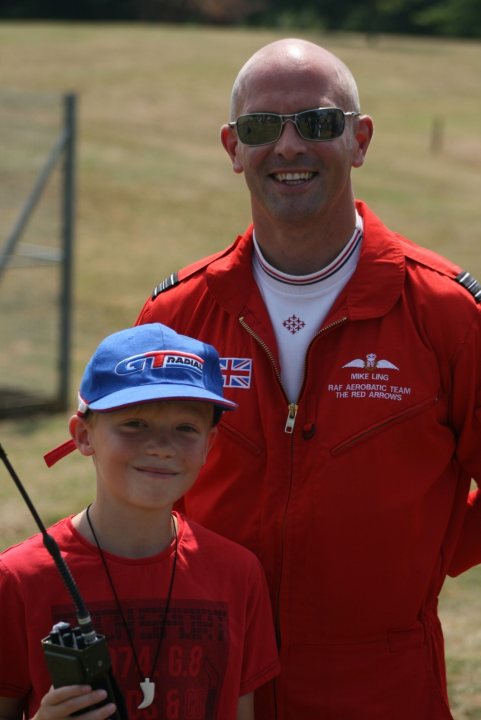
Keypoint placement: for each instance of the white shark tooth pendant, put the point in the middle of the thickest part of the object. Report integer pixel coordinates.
(148, 691)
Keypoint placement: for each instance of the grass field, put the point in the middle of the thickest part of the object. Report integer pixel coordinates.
(155, 191)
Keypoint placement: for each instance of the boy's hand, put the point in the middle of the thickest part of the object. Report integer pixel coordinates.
(59, 703)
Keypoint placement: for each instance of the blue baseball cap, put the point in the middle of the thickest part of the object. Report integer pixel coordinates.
(144, 364)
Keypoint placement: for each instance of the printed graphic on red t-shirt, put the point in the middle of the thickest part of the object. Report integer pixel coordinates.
(190, 669)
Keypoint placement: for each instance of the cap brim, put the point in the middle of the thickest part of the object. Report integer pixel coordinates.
(162, 391)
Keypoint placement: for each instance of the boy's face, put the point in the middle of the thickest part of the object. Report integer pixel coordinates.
(148, 455)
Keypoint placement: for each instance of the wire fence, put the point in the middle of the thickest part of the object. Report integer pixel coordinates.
(37, 151)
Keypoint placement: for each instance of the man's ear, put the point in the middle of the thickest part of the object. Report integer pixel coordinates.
(362, 138)
(80, 433)
(230, 141)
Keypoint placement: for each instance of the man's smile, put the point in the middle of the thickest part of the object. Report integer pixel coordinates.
(293, 178)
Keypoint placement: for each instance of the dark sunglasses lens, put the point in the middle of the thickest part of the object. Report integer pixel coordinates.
(324, 124)
(258, 129)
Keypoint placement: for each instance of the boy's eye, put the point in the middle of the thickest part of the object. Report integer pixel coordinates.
(187, 428)
(133, 424)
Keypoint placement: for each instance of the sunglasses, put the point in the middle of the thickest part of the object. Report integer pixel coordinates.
(319, 125)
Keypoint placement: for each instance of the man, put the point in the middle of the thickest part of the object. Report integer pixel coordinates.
(354, 357)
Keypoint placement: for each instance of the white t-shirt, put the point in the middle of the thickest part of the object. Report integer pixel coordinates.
(298, 304)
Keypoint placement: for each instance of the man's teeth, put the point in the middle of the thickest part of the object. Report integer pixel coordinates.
(293, 176)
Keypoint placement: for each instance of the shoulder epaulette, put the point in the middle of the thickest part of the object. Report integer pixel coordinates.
(471, 285)
(175, 278)
(166, 283)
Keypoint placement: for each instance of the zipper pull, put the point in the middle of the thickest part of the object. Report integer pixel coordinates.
(291, 418)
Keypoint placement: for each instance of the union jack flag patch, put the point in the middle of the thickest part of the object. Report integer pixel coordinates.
(236, 372)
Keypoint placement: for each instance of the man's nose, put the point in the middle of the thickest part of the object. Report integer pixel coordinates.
(290, 142)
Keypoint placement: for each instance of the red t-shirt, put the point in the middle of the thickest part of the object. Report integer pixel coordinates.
(218, 644)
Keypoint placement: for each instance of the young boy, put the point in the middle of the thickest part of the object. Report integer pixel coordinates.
(185, 612)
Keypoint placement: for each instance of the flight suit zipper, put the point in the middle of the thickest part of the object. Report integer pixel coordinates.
(293, 407)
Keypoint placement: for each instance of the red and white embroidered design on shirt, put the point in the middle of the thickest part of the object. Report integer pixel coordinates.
(293, 324)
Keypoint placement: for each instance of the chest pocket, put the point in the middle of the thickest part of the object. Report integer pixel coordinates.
(381, 426)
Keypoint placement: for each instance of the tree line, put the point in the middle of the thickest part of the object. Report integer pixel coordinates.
(448, 18)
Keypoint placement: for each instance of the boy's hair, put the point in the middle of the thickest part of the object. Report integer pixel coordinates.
(148, 363)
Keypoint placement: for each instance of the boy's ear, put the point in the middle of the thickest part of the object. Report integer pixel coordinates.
(80, 433)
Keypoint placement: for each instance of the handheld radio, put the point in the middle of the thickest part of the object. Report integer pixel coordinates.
(73, 655)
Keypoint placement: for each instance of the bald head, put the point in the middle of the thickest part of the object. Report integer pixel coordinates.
(295, 59)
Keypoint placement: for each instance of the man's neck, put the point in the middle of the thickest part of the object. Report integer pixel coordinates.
(298, 250)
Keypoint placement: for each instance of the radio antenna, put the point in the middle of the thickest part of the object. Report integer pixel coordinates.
(83, 615)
